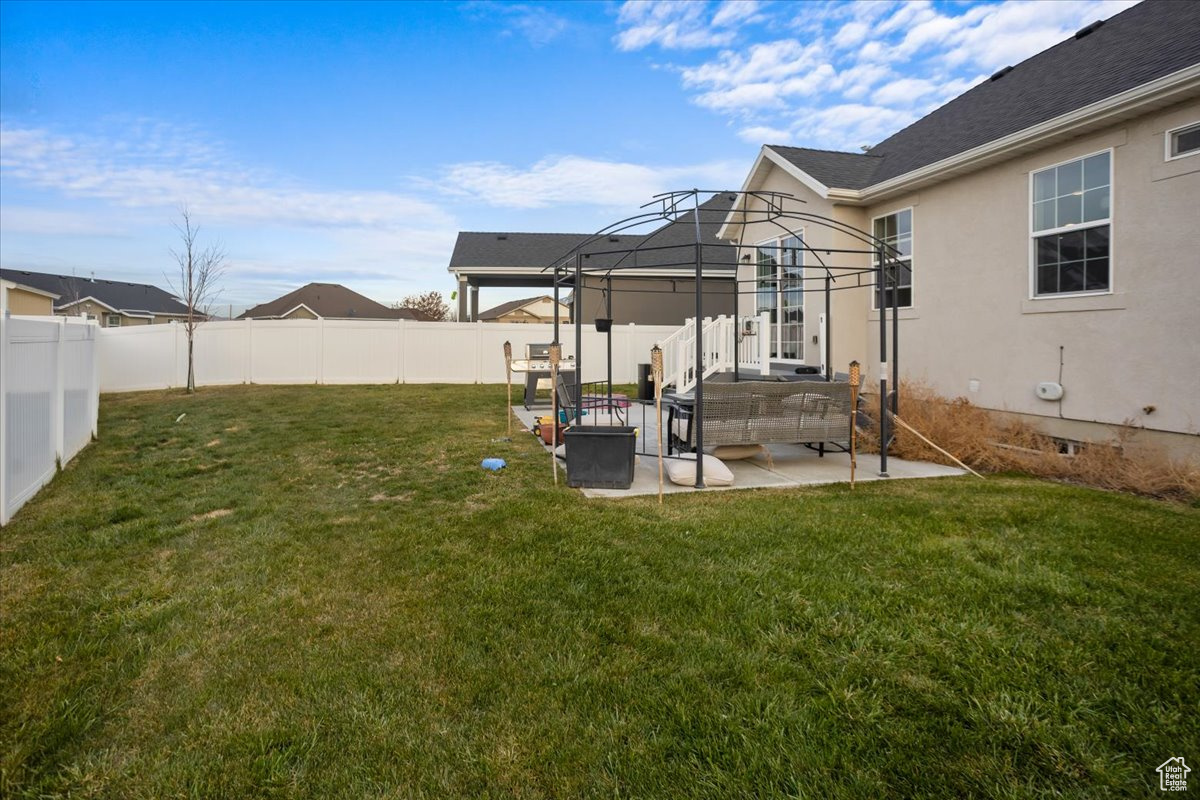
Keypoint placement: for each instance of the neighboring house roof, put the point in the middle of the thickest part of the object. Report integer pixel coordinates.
(512, 305)
(331, 300)
(128, 298)
(31, 289)
(536, 251)
(1146, 42)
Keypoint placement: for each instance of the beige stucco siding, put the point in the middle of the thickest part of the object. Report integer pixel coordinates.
(21, 302)
(848, 307)
(973, 317)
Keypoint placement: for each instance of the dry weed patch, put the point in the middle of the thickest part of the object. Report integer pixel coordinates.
(989, 444)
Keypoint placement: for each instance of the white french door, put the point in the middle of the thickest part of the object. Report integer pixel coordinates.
(779, 292)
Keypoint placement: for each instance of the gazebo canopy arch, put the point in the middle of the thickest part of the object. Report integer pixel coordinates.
(590, 257)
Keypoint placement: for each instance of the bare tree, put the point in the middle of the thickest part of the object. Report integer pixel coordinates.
(199, 272)
(431, 303)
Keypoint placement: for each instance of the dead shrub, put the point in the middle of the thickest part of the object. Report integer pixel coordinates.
(990, 444)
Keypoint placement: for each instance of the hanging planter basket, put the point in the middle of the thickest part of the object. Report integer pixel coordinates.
(603, 324)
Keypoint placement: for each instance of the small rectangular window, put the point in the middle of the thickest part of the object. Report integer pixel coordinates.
(112, 320)
(1183, 141)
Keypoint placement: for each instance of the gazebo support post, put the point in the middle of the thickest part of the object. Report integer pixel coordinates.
(882, 281)
(578, 339)
(698, 411)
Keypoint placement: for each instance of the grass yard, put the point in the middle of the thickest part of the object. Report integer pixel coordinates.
(317, 592)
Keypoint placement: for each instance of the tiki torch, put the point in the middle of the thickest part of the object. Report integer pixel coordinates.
(855, 378)
(508, 379)
(555, 357)
(656, 374)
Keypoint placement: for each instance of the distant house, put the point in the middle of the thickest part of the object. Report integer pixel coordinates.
(18, 298)
(328, 301)
(531, 309)
(113, 303)
(652, 287)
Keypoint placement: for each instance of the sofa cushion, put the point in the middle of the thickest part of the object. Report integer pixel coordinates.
(682, 470)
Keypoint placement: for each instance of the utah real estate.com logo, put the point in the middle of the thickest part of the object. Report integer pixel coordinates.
(1172, 775)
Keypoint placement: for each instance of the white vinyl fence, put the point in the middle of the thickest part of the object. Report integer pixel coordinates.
(49, 400)
(351, 351)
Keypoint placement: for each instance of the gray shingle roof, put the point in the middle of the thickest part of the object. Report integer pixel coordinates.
(1144, 43)
(333, 301)
(497, 311)
(539, 250)
(832, 168)
(121, 295)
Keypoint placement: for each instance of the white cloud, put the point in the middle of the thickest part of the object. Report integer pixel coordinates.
(575, 180)
(682, 24)
(897, 59)
(764, 134)
(155, 166)
(536, 23)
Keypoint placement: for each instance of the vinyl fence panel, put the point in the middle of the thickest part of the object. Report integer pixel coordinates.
(350, 351)
(49, 399)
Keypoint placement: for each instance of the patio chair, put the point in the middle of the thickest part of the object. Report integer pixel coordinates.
(596, 409)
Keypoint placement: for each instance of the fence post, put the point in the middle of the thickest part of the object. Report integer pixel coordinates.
(479, 352)
(401, 327)
(248, 372)
(4, 359)
(59, 399)
(320, 350)
(93, 329)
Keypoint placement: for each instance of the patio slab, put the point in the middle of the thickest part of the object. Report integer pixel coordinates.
(794, 465)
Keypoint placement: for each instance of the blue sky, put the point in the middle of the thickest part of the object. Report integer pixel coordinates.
(351, 142)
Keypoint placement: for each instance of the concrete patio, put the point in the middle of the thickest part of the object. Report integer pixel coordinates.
(793, 465)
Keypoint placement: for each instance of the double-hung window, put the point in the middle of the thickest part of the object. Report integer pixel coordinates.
(1072, 224)
(896, 233)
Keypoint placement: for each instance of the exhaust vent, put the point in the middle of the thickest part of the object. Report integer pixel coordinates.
(1082, 32)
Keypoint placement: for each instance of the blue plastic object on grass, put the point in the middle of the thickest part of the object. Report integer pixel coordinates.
(493, 464)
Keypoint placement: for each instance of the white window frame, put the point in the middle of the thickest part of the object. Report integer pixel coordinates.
(112, 320)
(912, 259)
(1033, 235)
(776, 243)
(1167, 142)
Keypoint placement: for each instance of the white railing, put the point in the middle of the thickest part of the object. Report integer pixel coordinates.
(49, 400)
(720, 339)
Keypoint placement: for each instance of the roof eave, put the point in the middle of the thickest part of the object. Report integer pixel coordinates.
(1182, 83)
(767, 157)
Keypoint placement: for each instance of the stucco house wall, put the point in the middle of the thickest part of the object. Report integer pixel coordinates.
(847, 307)
(1125, 356)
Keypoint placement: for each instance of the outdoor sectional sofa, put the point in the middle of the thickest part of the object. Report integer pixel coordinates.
(762, 412)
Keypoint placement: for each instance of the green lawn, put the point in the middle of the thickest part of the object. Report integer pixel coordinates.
(316, 591)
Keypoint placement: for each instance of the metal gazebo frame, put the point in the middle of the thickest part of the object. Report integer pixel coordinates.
(884, 272)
